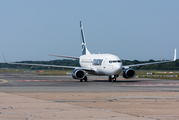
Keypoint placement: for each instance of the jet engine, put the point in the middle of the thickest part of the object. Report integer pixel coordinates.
(128, 73)
(78, 74)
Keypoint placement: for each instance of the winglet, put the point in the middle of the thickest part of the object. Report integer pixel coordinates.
(175, 55)
(4, 57)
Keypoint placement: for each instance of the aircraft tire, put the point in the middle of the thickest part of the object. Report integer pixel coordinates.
(114, 79)
(110, 79)
(85, 79)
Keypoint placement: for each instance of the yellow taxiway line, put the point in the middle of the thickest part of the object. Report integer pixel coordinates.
(3, 81)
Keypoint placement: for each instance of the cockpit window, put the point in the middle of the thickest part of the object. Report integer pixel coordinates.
(114, 61)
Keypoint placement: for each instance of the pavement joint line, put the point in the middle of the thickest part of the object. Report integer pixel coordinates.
(164, 84)
(39, 80)
(122, 84)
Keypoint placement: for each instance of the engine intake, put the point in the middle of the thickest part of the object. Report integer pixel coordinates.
(128, 73)
(78, 74)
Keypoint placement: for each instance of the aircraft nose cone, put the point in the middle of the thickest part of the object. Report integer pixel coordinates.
(117, 68)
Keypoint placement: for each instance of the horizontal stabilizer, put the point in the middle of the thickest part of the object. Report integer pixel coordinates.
(65, 56)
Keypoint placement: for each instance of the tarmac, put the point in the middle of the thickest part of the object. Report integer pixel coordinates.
(32, 97)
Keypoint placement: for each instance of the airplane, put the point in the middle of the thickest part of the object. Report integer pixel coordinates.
(97, 64)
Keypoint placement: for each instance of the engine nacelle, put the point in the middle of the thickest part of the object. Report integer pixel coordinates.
(128, 73)
(78, 74)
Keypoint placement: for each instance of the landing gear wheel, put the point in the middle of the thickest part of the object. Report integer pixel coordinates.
(85, 79)
(114, 79)
(110, 78)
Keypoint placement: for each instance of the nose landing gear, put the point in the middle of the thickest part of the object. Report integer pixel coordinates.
(113, 78)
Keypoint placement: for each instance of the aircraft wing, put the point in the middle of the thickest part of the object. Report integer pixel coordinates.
(57, 66)
(43, 65)
(88, 69)
(139, 65)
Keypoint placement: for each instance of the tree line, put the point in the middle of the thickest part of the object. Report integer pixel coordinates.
(68, 62)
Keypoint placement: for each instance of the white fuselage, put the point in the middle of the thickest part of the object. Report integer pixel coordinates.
(102, 64)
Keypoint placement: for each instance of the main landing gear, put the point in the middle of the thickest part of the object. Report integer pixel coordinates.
(112, 78)
(85, 79)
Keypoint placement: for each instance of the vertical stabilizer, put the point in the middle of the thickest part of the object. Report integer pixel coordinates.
(83, 42)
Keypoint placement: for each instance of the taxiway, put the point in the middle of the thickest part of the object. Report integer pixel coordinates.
(32, 97)
(14, 82)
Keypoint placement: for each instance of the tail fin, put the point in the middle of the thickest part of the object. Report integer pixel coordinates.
(83, 42)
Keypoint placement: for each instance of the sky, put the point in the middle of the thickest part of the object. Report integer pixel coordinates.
(131, 29)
